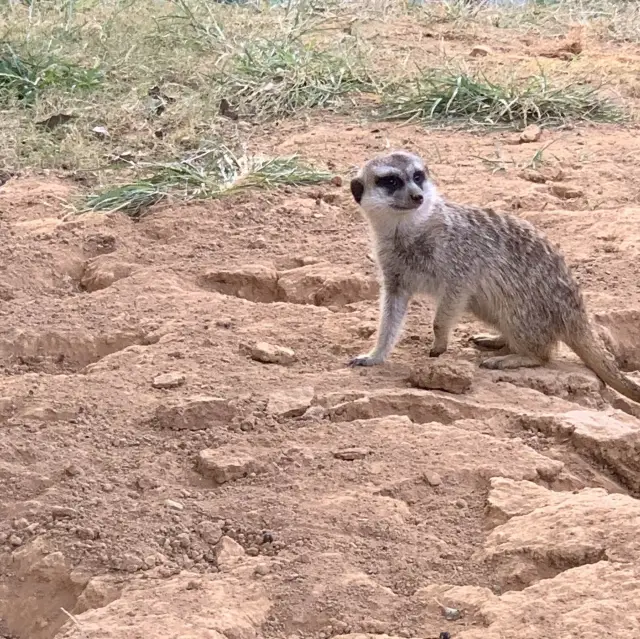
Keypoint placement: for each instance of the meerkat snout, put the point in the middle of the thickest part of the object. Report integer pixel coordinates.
(397, 182)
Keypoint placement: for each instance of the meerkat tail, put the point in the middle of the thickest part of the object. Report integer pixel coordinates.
(591, 350)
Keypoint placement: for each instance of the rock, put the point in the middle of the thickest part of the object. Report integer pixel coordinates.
(351, 454)
(612, 440)
(14, 540)
(228, 552)
(86, 533)
(99, 592)
(183, 540)
(173, 505)
(210, 532)
(254, 282)
(269, 354)
(576, 603)
(99, 244)
(324, 284)
(130, 562)
(336, 180)
(565, 191)
(531, 175)
(170, 608)
(480, 51)
(532, 133)
(433, 479)
(509, 498)
(63, 512)
(290, 403)
(20, 524)
(572, 529)
(194, 413)
(314, 413)
(223, 465)
(169, 380)
(453, 376)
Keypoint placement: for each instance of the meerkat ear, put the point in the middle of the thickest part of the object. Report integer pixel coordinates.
(357, 189)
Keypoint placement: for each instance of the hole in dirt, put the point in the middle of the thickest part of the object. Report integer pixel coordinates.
(620, 331)
(520, 571)
(37, 585)
(55, 352)
(420, 406)
(318, 284)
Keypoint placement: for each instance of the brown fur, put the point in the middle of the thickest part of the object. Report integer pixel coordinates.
(498, 267)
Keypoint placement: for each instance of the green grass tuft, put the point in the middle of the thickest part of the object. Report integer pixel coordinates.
(276, 78)
(209, 174)
(23, 77)
(459, 97)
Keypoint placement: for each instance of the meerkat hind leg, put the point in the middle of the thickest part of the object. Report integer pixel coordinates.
(490, 342)
(512, 361)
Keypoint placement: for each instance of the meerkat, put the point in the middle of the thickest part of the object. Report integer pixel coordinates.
(497, 267)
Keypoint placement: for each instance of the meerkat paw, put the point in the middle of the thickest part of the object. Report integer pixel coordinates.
(364, 360)
(436, 351)
(490, 342)
(507, 362)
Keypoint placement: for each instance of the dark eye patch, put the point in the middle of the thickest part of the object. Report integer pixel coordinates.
(419, 177)
(390, 182)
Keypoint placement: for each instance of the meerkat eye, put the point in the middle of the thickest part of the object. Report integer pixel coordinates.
(389, 182)
(419, 177)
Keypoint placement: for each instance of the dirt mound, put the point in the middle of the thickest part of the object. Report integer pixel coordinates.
(184, 451)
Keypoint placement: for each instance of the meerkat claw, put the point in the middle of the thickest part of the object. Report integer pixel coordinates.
(362, 360)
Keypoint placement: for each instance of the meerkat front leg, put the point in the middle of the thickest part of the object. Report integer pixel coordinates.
(393, 308)
(449, 308)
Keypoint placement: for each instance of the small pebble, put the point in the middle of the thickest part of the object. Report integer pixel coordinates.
(169, 380)
(532, 133)
(63, 512)
(173, 505)
(14, 540)
(433, 479)
(351, 454)
(184, 540)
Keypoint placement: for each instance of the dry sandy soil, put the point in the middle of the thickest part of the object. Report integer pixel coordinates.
(160, 480)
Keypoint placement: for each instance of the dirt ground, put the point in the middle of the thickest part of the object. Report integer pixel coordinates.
(160, 480)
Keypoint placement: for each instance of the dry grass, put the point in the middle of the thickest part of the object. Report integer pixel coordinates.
(210, 173)
(99, 90)
(443, 95)
(611, 20)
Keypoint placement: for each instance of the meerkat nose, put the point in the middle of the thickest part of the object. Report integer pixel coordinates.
(417, 198)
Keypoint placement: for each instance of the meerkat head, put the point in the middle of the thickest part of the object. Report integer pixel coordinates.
(395, 184)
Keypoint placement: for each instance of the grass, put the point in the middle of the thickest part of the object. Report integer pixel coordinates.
(154, 79)
(208, 174)
(458, 97)
(277, 78)
(24, 77)
(611, 20)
